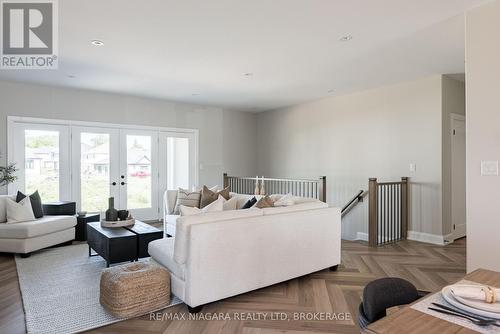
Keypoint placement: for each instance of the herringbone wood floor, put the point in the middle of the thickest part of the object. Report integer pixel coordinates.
(429, 267)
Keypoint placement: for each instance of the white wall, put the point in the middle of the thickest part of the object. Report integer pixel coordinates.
(375, 133)
(220, 149)
(483, 136)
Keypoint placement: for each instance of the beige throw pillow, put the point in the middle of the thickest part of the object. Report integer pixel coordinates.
(19, 212)
(264, 202)
(217, 205)
(187, 198)
(208, 196)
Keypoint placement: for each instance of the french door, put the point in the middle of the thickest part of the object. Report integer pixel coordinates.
(88, 162)
(118, 163)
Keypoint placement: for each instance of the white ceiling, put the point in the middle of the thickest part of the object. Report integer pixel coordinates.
(172, 49)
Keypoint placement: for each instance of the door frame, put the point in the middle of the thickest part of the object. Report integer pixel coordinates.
(13, 121)
(458, 231)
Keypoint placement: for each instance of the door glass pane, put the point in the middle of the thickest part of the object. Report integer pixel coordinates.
(138, 172)
(177, 163)
(94, 171)
(42, 163)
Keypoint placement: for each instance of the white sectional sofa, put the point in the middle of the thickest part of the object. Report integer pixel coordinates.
(26, 237)
(217, 255)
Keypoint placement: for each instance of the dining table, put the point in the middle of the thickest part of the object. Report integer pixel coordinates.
(409, 321)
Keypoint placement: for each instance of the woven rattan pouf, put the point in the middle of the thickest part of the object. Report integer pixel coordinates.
(135, 289)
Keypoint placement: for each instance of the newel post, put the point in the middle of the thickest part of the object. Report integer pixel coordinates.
(322, 189)
(372, 212)
(404, 207)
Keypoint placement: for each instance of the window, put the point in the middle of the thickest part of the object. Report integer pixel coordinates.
(89, 162)
(42, 150)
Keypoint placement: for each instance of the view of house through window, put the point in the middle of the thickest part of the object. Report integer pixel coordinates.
(94, 171)
(42, 163)
(138, 172)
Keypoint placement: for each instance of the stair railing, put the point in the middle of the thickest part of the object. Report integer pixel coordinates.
(388, 211)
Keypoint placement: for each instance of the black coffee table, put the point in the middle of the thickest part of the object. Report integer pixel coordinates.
(145, 234)
(120, 244)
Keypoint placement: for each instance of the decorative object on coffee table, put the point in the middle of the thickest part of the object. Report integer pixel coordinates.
(123, 214)
(81, 225)
(145, 234)
(111, 213)
(61, 208)
(113, 244)
(134, 289)
(118, 223)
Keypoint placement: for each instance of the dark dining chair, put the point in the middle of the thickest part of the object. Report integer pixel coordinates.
(381, 294)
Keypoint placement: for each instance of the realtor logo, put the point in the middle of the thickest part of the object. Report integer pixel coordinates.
(29, 34)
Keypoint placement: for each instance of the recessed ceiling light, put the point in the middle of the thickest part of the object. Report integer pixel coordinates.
(346, 38)
(71, 76)
(331, 91)
(248, 74)
(195, 94)
(97, 42)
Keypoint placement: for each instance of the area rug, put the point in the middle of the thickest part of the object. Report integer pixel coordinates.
(60, 290)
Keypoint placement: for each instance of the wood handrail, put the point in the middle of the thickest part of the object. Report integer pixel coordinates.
(356, 199)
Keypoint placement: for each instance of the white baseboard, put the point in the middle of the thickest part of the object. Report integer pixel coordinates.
(435, 239)
(416, 236)
(362, 236)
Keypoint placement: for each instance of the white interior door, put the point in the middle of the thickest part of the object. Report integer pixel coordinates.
(138, 180)
(96, 169)
(41, 154)
(458, 214)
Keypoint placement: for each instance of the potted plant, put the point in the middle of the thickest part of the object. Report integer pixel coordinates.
(7, 174)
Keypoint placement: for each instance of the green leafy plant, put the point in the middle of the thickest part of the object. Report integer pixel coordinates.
(7, 174)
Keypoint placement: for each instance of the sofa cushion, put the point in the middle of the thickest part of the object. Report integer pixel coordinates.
(184, 223)
(162, 251)
(283, 200)
(230, 204)
(216, 206)
(36, 203)
(250, 203)
(187, 198)
(19, 212)
(42, 226)
(208, 196)
(3, 208)
(169, 199)
(242, 199)
(293, 208)
(264, 202)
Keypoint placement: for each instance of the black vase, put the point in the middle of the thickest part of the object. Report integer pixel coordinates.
(111, 213)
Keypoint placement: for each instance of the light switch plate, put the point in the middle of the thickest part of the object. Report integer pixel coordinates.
(489, 168)
(413, 167)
